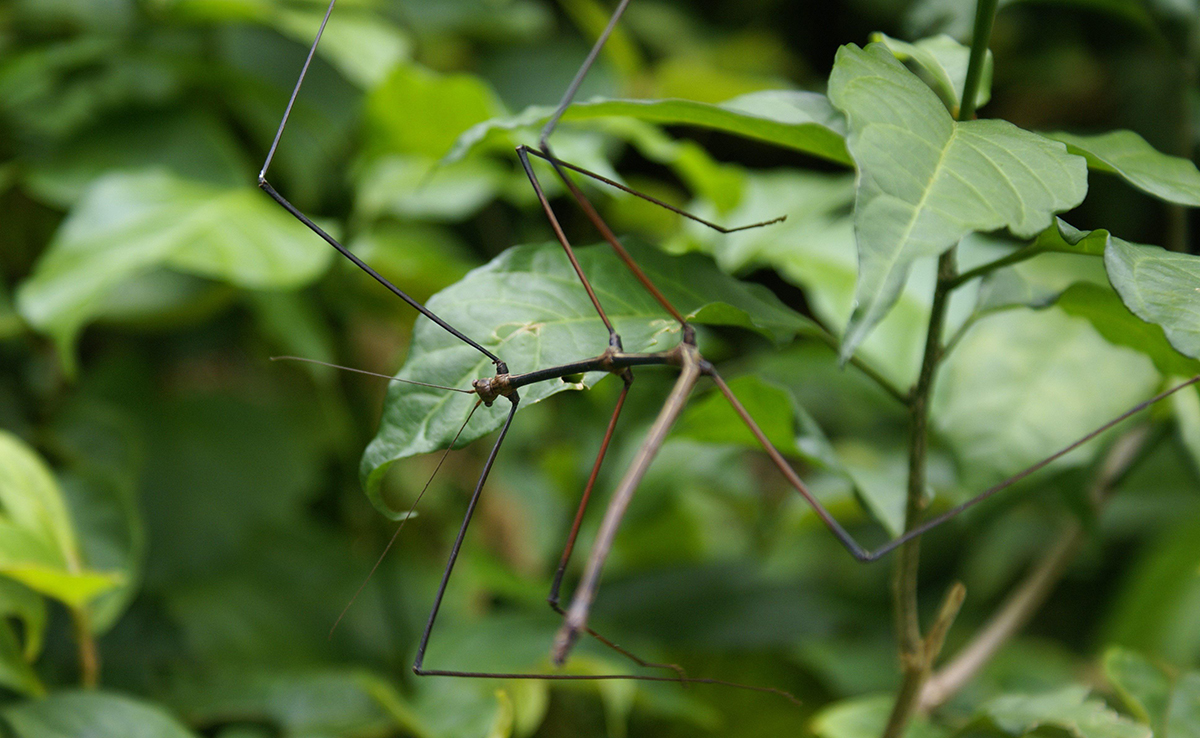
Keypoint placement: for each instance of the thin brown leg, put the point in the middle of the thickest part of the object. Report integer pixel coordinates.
(648, 198)
(577, 614)
(523, 155)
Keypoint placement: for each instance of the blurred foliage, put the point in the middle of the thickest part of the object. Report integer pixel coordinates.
(192, 512)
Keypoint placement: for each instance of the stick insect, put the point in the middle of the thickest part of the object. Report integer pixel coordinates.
(685, 357)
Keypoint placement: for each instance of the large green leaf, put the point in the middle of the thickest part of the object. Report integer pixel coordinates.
(92, 714)
(130, 224)
(803, 121)
(925, 180)
(1161, 287)
(1130, 157)
(38, 546)
(528, 307)
(1023, 384)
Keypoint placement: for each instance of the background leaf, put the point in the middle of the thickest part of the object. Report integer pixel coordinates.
(130, 224)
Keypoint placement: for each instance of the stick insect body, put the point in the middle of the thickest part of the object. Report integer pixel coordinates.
(685, 356)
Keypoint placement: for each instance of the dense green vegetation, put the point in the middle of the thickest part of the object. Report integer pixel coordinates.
(182, 519)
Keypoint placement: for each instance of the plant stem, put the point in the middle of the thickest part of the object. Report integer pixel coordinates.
(1027, 252)
(916, 654)
(1028, 597)
(89, 656)
(914, 657)
(985, 14)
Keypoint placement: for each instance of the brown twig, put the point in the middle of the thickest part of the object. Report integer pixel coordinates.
(1028, 597)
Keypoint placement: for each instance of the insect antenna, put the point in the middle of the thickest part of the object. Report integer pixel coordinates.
(411, 511)
(373, 374)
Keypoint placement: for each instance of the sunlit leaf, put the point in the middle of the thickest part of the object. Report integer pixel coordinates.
(94, 714)
(925, 180)
(1161, 287)
(803, 121)
(528, 307)
(1130, 157)
(129, 224)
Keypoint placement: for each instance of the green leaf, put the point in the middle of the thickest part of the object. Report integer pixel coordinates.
(1143, 687)
(92, 714)
(866, 717)
(1068, 708)
(528, 307)
(1023, 384)
(418, 111)
(1186, 406)
(1161, 287)
(193, 145)
(1130, 157)
(1183, 716)
(410, 187)
(926, 180)
(1101, 306)
(130, 224)
(711, 419)
(350, 703)
(803, 121)
(814, 249)
(19, 601)
(1155, 611)
(16, 673)
(38, 546)
(943, 61)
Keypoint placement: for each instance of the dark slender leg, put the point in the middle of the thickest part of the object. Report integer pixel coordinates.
(418, 664)
(862, 554)
(573, 88)
(648, 198)
(266, 187)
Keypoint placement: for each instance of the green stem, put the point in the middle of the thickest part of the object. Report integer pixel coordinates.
(1026, 252)
(916, 654)
(89, 656)
(985, 15)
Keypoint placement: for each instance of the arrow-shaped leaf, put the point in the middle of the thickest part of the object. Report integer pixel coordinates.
(926, 180)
